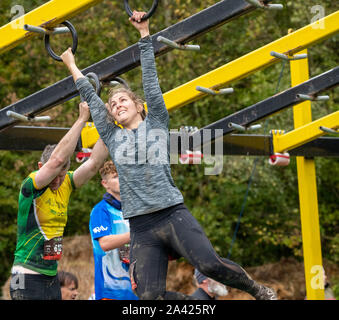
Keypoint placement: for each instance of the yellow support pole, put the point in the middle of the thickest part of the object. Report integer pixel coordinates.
(314, 274)
(304, 134)
(48, 15)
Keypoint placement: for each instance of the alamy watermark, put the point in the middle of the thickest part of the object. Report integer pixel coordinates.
(318, 280)
(317, 20)
(18, 20)
(17, 281)
(158, 147)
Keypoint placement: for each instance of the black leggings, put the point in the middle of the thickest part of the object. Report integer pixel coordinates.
(175, 232)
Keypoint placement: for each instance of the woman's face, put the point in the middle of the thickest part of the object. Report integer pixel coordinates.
(123, 109)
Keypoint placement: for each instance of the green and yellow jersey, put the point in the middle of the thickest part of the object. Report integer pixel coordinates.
(42, 217)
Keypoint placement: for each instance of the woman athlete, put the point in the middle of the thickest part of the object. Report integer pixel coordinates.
(160, 224)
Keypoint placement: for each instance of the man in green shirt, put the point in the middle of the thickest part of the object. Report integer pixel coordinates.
(42, 214)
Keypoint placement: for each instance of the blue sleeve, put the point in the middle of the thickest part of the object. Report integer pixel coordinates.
(155, 102)
(100, 222)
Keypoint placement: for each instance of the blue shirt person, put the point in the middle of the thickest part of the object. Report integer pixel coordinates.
(110, 239)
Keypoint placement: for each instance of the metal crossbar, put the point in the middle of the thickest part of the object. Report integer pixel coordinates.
(129, 58)
(30, 138)
(268, 107)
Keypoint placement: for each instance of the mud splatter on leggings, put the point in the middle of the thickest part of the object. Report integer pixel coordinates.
(175, 232)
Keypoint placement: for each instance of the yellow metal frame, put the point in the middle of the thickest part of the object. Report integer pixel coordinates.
(48, 15)
(304, 134)
(308, 200)
(251, 62)
(57, 11)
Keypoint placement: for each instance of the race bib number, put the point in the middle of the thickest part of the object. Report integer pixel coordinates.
(53, 249)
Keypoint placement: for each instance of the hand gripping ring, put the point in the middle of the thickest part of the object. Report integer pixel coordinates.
(93, 76)
(74, 44)
(147, 15)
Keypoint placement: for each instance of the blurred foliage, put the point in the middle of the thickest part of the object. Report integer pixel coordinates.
(335, 287)
(270, 226)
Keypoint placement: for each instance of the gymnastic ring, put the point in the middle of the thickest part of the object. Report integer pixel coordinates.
(147, 15)
(95, 78)
(74, 44)
(121, 81)
(92, 75)
(107, 82)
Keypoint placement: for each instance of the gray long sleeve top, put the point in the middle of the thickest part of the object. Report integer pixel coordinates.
(141, 155)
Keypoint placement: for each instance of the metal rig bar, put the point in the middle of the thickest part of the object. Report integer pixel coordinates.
(260, 4)
(286, 57)
(306, 97)
(328, 130)
(179, 46)
(242, 128)
(129, 58)
(206, 20)
(30, 138)
(251, 62)
(40, 30)
(259, 145)
(21, 117)
(267, 107)
(215, 92)
(303, 134)
(46, 16)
